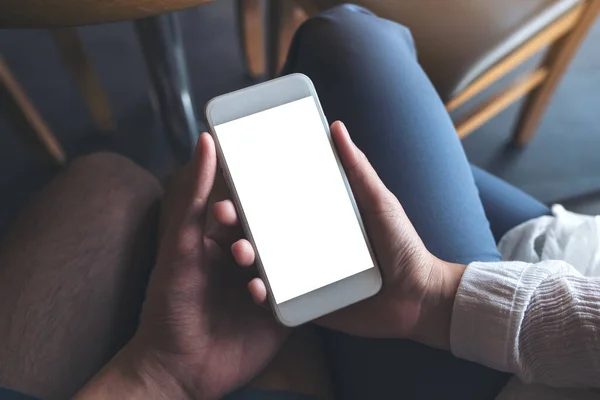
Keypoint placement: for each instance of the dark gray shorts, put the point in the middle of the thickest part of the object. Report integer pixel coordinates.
(244, 394)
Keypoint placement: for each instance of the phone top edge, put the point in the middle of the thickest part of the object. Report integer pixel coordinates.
(268, 94)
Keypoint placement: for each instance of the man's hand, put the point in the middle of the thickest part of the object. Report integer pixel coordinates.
(418, 290)
(200, 335)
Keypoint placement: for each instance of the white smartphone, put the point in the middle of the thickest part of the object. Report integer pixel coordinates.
(293, 198)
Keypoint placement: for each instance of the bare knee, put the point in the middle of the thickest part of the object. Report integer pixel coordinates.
(112, 175)
(97, 190)
(74, 267)
(112, 168)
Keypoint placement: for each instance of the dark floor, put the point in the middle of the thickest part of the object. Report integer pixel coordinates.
(561, 162)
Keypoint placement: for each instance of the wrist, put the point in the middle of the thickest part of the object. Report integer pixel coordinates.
(435, 314)
(134, 373)
(151, 372)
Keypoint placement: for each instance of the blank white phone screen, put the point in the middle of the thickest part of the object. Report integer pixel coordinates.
(292, 193)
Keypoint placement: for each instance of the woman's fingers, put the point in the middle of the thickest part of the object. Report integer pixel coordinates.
(225, 213)
(227, 224)
(222, 224)
(258, 291)
(242, 250)
(199, 183)
(243, 253)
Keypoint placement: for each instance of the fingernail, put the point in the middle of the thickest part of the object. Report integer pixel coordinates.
(344, 126)
(200, 146)
(345, 130)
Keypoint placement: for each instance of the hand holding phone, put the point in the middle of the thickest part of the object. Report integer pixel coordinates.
(417, 296)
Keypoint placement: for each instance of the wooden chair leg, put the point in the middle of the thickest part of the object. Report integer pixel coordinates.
(266, 41)
(23, 114)
(556, 62)
(73, 55)
(293, 16)
(250, 30)
(498, 103)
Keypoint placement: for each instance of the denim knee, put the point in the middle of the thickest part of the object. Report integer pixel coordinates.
(355, 26)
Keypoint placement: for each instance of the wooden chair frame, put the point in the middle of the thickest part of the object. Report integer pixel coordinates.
(562, 38)
(25, 116)
(23, 113)
(74, 57)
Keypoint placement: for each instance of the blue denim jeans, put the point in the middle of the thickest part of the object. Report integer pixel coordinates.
(366, 73)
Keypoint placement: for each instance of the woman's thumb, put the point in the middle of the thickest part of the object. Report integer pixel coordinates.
(370, 192)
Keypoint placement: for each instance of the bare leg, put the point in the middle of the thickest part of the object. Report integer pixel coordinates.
(73, 270)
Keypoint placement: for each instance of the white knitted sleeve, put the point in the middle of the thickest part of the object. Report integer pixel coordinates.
(539, 321)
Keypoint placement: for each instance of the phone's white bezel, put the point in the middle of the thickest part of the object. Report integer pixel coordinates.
(262, 97)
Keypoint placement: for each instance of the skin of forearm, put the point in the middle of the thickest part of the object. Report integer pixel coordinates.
(132, 375)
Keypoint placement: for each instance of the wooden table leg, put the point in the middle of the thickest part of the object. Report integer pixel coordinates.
(23, 114)
(161, 41)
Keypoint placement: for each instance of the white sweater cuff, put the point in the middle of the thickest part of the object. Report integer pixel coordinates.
(490, 304)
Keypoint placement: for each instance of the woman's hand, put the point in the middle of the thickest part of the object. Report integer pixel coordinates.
(200, 334)
(418, 291)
